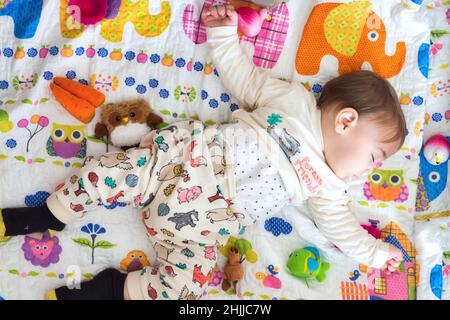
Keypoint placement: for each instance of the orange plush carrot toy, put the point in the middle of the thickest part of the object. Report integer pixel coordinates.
(78, 99)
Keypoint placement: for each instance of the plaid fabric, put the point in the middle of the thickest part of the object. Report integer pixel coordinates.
(354, 291)
(270, 41)
(393, 232)
(194, 28)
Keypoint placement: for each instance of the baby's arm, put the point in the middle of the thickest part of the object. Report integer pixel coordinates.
(337, 223)
(253, 87)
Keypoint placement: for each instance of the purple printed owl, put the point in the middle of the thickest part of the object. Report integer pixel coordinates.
(67, 141)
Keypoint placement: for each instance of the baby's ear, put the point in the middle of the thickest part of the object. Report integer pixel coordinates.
(153, 120)
(100, 130)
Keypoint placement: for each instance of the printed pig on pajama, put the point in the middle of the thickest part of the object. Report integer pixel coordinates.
(182, 180)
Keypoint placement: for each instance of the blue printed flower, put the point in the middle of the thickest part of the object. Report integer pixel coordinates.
(277, 226)
(198, 66)
(4, 85)
(316, 88)
(36, 200)
(204, 95)
(216, 72)
(163, 93)
(234, 107)
(102, 52)
(83, 81)
(180, 62)
(153, 83)
(93, 229)
(11, 143)
(54, 51)
(71, 74)
(155, 58)
(32, 52)
(79, 51)
(224, 97)
(213, 103)
(436, 116)
(8, 52)
(129, 81)
(130, 55)
(141, 89)
(418, 100)
(48, 75)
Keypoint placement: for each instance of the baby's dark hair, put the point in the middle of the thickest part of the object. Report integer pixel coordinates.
(370, 95)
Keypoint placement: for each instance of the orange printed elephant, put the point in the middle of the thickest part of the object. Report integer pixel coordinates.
(352, 33)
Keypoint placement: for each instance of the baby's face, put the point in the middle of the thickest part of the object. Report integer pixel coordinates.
(353, 151)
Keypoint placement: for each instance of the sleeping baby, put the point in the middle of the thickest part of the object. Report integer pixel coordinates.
(196, 186)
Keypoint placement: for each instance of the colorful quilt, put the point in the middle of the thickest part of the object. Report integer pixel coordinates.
(156, 50)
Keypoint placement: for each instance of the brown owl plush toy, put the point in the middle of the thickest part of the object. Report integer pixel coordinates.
(124, 124)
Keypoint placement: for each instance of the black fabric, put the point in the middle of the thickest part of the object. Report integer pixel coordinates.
(22, 221)
(107, 285)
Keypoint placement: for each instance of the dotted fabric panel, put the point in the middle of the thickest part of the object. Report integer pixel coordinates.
(260, 190)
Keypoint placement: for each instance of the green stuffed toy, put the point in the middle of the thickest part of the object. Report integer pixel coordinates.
(306, 264)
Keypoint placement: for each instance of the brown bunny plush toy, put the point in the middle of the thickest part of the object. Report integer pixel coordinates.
(233, 271)
(124, 124)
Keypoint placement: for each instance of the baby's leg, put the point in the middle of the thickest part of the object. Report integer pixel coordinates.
(120, 177)
(22, 221)
(107, 285)
(183, 275)
(178, 277)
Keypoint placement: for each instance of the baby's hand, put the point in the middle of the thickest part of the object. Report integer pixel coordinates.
(219, 16)
(394, 260)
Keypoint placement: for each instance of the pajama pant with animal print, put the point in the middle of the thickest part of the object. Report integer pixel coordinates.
(182, 181)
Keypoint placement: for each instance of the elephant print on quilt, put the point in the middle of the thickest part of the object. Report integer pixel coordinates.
(353, 34)
(119, 13)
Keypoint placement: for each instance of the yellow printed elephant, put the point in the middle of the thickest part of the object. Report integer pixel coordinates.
(352, 33)
(136, 12)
